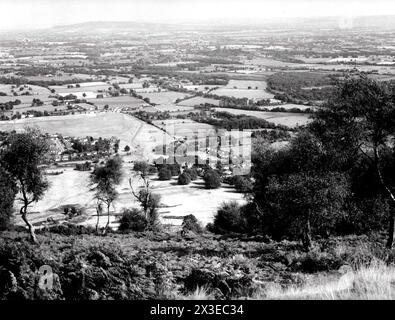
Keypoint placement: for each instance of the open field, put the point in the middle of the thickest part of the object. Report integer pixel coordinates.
(87, 86)
(202, 87)
(244, 84)
(284, 118)
(72, 189)
(117, 102)
(105, 125)
(243, 93)
(196, 101)
(165, 97)
(26, 99)
(183, 127)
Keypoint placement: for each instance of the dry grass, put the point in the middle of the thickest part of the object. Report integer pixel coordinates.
(375, 282)
(201, 293)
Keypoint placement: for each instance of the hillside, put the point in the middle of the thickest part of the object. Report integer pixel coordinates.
(168, 266)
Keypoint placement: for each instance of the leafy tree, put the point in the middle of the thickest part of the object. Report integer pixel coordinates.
(142, 167)
(212, 180)
(148, 201)
(8, 192)
(359, 121)
(299, 205)
(127, 149)
(164, 173)
(105, 180)
(22, 156)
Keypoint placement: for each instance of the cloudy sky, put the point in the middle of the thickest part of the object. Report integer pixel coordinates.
(17, 14)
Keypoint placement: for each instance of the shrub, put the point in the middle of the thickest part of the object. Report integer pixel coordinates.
(212, 180)
(192, 173)
(190, 223)
(164, 174)
(175, 169)
(184, 179)
(242, 184)
(132, 220)
(229, 218)
(68, 229)
(316, 261)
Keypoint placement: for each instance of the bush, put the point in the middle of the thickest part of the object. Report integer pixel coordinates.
(190, 223)
(175, 169)
(229, 218)
(212, 180)
(184, 179)
(316, 261)
(242, 184)
(68, 229)
(164, 174)
(192, 173)
(132, 220)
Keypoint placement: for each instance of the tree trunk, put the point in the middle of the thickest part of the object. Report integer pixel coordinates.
(391, 196)
(306, 238)
(98, 211)
(391, 226)
(29, 225)
(108, 219)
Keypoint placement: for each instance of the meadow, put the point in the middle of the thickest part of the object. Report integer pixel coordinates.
(243, 93)
(117, 102)
(196, 101)
(164, 97)
(282, 118)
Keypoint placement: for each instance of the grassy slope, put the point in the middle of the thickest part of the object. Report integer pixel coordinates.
(165, 265)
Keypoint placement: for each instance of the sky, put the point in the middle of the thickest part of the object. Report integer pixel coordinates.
(28, 14)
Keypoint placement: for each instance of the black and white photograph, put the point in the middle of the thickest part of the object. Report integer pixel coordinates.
(226, 152)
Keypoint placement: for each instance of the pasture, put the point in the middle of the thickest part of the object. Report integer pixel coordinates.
(72, 189)
(164, 97)
(196, 101)
(280, 118)
(117, 102)
(244, 84)
(243, 93)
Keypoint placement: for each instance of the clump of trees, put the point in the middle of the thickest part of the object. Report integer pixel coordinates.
(336, 177)
(105, 180)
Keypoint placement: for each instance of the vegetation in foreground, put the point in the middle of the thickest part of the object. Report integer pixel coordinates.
(147, 265)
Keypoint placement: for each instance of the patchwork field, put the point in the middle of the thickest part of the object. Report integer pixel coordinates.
(165, 97)
(196, 101)
(284, 118)
(243, 93)
(105, 125)
(117, 102)
(244, 84)
(182, 128)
